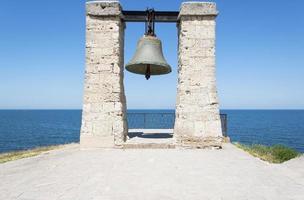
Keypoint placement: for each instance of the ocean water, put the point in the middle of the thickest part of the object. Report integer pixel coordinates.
(26, 129)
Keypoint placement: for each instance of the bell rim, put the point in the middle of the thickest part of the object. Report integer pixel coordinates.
(147, 63)
(166, 66)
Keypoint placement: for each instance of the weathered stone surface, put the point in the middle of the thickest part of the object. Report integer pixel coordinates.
(200, 142)
(197, 122)
(103, 8)
(104, 121)
(198, 8)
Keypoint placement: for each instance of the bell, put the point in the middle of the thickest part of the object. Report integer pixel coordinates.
(149, 59)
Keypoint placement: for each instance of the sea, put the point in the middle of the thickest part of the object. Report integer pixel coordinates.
(27, 129)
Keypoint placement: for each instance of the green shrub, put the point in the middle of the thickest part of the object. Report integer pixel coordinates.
(15, 155)
(282, 153)
(273, 154)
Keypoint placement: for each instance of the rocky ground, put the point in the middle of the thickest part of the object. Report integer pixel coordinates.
(229, 173)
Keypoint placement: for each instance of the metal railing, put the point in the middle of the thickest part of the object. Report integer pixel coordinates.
(160, 120)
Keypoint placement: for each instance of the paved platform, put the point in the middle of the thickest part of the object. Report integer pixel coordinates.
(150, 139)
(227, 174)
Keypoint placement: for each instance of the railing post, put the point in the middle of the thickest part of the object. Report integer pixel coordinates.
(226, 126)
(145, 120)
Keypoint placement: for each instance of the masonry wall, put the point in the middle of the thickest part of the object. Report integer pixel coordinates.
(104, 121)
(197, 121)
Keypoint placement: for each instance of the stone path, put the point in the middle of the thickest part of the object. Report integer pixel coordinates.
(150, 174)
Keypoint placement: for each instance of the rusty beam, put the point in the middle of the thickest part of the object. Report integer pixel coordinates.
(160, 16)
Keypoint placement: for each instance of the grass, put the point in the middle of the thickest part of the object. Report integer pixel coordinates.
(272, 154)
(6, 157)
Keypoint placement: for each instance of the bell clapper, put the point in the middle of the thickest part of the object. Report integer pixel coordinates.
(150, 26)
(148, 72)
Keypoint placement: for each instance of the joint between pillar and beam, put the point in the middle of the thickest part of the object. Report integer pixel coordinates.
(140, 16)
(160, 16)
(113, 9)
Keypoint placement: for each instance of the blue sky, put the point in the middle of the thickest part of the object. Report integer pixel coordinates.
(260, 55)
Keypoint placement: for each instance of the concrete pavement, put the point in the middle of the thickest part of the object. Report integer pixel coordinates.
(229, 173)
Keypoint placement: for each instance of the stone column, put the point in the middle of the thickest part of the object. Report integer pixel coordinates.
(104, 121)
(197, 122)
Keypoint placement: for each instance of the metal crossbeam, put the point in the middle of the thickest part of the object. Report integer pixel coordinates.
(160, 16)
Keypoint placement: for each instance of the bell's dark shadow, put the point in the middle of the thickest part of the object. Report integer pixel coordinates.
(150, 135)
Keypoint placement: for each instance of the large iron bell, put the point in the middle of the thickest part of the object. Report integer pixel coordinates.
(149, 59)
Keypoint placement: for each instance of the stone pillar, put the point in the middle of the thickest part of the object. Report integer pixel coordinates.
(197, 122)
(104, 121)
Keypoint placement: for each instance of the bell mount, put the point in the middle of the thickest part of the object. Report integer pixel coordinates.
(150, 22)
(149, 31)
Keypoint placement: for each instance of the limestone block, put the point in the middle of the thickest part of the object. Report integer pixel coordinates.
(213, 128)
(93, 142)
(198, 9)
(103, 8)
